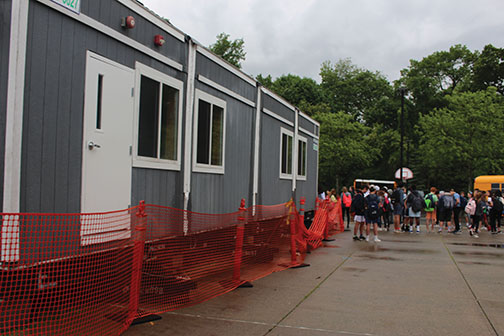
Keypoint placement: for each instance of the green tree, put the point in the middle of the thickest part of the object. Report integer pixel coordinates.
(345, 148)
(489, 69)
(366, 96)
(441, 73)
(231, 51)
(463, 139)
(267, 81)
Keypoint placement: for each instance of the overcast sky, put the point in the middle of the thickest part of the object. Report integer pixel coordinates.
(296, 36)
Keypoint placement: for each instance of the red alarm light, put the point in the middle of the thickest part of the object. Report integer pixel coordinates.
(159, 40)
(128, 22)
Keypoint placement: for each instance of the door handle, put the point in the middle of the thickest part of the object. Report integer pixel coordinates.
(92, 145)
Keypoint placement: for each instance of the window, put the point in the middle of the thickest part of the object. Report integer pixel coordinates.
(159, 120)
(210, 133)
(302, 145)
(286, 142)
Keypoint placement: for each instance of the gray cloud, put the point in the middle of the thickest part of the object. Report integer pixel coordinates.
(297, 36)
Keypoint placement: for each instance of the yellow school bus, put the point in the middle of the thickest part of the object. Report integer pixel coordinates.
(489, 182)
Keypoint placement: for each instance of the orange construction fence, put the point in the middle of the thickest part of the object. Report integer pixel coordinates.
(93, 274)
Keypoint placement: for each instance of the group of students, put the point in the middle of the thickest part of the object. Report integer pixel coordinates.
(377, 208)
(479, 209)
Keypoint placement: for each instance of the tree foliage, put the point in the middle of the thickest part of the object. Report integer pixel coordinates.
(453, 114)
(232, 51)
(463, 139)
(345, 146)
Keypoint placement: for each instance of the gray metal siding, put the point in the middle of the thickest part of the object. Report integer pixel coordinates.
(54, 99)
(5, 21)
(155, 186)
(275, 106)
(272, 189)
(306, 124)
(216, 73)
(217, 193)
(110, 13)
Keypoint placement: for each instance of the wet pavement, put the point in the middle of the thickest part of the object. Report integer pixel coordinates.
(408, 284)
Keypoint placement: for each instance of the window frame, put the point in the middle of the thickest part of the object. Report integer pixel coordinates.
(299, 176)
(212, 100)
(163, 79)
(290, 134)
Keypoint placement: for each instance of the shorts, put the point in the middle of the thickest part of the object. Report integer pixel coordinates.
(398, 209)
(445, 215)
(430, 215)
(359, 218)
(414, 214)
(372, 221)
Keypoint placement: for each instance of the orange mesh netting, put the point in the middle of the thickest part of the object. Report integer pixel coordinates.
(85, 274)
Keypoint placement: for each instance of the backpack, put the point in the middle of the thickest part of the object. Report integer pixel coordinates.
(448, 202)
(429, 202)
(470, 208)
(497, 206)
(372, 207)
(395, 196)
(347, 200)
(418, 203)
(358, 204)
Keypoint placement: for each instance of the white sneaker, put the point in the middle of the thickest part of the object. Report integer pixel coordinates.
(376, 240)
(418, 229)
(367, 238)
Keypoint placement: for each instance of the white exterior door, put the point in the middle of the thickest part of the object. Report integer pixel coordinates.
(108, 136)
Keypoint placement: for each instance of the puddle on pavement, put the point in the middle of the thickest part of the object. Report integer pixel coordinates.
(479, 244)
(478, 254)
(378, 248)
(475, 263)
(376, 257)
(353, 269)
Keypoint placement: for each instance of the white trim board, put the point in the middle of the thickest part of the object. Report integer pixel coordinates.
(277, 117)
(189, 114)
(113, 34)
(308, 133)
(278, 98)
(225, 90)
(207, 53)
(14, 129)
(153, 18)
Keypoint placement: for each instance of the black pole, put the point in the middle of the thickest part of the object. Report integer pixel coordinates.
(402, 132)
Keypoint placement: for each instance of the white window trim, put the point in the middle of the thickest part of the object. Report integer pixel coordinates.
(148, 162)
(200, 167)
(300, 177)
(291, 134)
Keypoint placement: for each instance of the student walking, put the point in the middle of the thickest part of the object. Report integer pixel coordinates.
(496, 212)
(358, 207)
(397, 202)
(346, 202)
(430, 207)
(372, 214)
(414, 203)
(456, 211)
(446, 203)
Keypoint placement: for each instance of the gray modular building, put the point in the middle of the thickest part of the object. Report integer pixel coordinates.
(103, 104)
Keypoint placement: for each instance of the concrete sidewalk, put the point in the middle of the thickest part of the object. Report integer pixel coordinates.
(408, 284)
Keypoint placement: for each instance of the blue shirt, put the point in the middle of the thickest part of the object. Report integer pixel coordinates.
(456, 197)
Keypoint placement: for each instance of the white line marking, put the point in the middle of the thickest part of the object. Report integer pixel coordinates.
(271, 324)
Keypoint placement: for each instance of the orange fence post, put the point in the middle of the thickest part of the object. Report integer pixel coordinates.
(138, 254)
(292, 219)
(240, 229)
